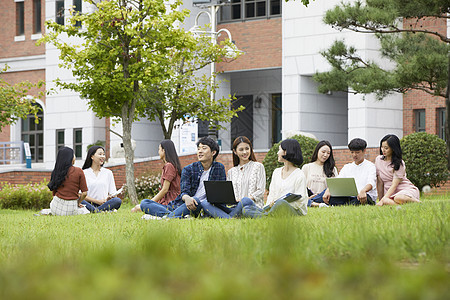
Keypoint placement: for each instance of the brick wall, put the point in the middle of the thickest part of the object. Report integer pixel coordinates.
(418, 99)
(10, 48)
(342, 156)
(259, 39)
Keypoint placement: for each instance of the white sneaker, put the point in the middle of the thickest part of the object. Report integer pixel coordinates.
(150, 217)
(323, 205)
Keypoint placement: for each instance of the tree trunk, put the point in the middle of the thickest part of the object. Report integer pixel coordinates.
(447, 114)
(127, 122)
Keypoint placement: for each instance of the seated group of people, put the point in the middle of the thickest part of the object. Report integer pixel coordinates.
(183, 191)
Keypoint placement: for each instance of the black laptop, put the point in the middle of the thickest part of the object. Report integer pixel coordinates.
(220, 192)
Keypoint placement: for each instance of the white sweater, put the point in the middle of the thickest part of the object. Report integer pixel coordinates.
(294, 183)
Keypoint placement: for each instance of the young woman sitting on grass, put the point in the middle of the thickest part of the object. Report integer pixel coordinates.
(65, 183)
(100, 182)
(392, 185)
(321, 167)
(288, 179)
(170, 179)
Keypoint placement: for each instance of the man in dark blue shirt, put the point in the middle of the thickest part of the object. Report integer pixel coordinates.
(192, 187)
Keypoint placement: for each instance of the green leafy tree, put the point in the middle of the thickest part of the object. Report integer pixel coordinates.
(425, 164)
(420, 54)
(15, 102)
(185, 91)
(119, 51)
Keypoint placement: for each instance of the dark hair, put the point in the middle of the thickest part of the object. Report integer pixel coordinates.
(171, 154)
(212, 144)
(329, 164)
(393, 143)
(293, 151)
(237, 141)
(357, 144)
(91, 151)
(62, 165)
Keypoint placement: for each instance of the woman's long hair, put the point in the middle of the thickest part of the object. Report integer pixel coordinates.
(88, 162)
(393, 143)
(237, 141)
(293, 151)
(329, 164)
(171, 154)
(62, 165)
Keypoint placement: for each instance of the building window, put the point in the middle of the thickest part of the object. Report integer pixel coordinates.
(59, 12)
(419, 120)
(77, 10)
(33, 134)
(276, 118)
(441, 122)
(250, 9)
(20, 18)
(78, 142)
(59, 139)
(37, 16)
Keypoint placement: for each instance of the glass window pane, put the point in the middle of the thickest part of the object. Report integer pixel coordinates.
(20, 18)
(32, 140)
(25, 125)
(59, 12)
(78, 138)
(275, 7)
(40, 137)
(236, 12)
(260, 9)
(36, 16)
(250, 10)
(32, 124)
(60, 137)
(40, 154)
(78, 151)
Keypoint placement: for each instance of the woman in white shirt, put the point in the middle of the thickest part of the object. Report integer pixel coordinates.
(249, 180)
(101, 195)
(321, 167)
(288, 179)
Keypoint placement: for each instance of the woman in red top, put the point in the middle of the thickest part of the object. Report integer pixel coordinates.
(170, 178)
(65, 183)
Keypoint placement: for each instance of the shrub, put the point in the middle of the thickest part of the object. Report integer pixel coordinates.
(270, 162)
(29, 196)
(146, 185)
(425, 157)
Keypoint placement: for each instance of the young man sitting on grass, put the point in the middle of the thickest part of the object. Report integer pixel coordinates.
(193, 193)
(365, 176)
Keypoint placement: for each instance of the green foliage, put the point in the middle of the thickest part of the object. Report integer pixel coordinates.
(147, 186)
(270, 162)
(221, 259)
(15, 102)
(425, 157)
(97, 143)
(420, 54)
(29, 196)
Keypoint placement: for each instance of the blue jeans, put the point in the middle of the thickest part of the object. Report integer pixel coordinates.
(336, 201)
(283, 208)
(153, 208)
(111, 204)
(224, 212)
(182, 211)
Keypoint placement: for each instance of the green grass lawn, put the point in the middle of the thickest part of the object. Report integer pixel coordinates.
(332, 253)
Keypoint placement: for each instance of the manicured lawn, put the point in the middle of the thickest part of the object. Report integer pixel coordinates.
(332, 253)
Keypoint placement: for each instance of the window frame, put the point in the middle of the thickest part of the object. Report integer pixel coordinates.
(57, 144)
(59, 12)
(242, 6)
(78, 145)
(441, 111)
(37, 16)
(20, 18)
(417, 119)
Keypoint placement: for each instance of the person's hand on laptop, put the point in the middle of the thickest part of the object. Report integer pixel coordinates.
(326, 196)
(190, 202)
(362, 197)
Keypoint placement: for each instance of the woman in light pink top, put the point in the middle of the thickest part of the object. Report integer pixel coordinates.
(392, 185)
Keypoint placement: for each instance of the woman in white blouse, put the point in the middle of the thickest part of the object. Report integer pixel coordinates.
(249, 180)
(288, 179)
(102, 193)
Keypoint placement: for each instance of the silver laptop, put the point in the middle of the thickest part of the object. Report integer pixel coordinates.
(220, 192)
(342, 187)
